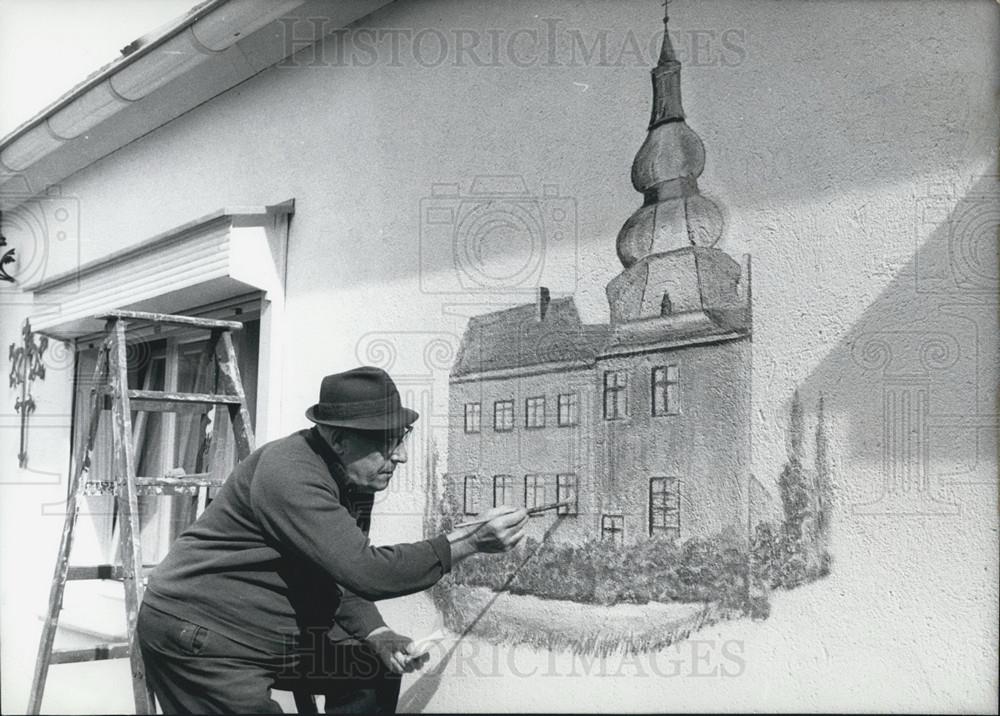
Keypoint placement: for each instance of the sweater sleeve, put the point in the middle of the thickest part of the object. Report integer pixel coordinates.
(297, 505)
(357, 616)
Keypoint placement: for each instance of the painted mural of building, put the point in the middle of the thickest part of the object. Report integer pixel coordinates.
(255, 160)
(641, 424)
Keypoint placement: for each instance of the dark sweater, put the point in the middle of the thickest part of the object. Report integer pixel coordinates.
(283, 548)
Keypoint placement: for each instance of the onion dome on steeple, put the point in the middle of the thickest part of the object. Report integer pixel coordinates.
(665, 171)
(675, 285)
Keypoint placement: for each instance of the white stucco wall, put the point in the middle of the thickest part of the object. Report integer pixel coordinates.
(847, 144)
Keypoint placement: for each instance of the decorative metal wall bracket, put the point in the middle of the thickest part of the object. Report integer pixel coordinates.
(26, 366)
(6, 258)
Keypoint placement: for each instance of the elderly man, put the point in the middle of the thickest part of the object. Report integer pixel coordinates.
(274, 583)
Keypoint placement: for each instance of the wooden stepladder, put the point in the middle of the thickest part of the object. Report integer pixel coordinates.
(111, 393)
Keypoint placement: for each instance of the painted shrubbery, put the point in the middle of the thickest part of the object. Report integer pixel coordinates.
(797, 551)
(605, 572)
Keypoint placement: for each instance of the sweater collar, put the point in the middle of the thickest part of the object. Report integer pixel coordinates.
(358, 504)
(322, 448)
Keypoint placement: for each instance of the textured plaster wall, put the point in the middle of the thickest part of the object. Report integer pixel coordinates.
(847, 143)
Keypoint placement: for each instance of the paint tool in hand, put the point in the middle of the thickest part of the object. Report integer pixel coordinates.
(423, 646)
(531, 511)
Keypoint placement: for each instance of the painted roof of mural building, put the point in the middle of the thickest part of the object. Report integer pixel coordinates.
(519, 337)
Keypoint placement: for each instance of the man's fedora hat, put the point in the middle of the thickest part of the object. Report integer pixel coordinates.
(364, 399)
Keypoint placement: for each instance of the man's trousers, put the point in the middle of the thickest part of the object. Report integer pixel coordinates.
(192, 669)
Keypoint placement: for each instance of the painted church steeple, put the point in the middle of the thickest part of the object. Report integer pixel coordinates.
(665, 171)
(674, 280)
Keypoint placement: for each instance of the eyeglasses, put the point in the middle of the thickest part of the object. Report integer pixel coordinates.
(389, 442)
(398, 443)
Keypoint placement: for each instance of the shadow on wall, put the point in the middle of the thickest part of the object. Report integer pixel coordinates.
(502, 220)
(914, 379)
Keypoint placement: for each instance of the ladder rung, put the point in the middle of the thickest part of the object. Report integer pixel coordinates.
(101, 571)
(155, 406)
(187, 485)
(163, 397)
(177, 485)
(98, 652)
(173, 320)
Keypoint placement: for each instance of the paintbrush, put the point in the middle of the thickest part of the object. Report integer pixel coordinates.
(531, 511)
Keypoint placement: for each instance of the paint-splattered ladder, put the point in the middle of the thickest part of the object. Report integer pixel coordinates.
(112, 393)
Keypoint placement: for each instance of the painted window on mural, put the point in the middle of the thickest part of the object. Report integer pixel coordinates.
(568, 409)
(503, 490)
(534, 412)
(503, 416)
(613, 528)
(567, 489)
(473, 417)
(666, 390)
(665, 506)
(615, 394)
(535, 491)
(471, 494)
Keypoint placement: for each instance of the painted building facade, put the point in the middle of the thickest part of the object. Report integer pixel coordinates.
(641, 425)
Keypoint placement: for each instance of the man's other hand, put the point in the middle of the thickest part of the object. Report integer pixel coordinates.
(397, 652)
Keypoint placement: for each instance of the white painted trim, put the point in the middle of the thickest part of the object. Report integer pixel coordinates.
(161, 240)
(225, 254)
(270, 361)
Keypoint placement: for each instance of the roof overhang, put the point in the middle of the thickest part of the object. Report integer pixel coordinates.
(214, 47)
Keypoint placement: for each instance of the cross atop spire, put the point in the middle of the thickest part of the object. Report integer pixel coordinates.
(667, 50)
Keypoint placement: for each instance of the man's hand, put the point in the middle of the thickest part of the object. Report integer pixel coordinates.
(502, 530)
(396, 651)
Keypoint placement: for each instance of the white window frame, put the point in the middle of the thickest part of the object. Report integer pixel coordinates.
(177, 342)
(616, 388)
(473, 418)
(536, 491)
(503, 409)
(613, 528)
(568, 409)
(665, 388)
(665, 505)
(505, 485)
(471, 498)
(568, 487)
(534, 412)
